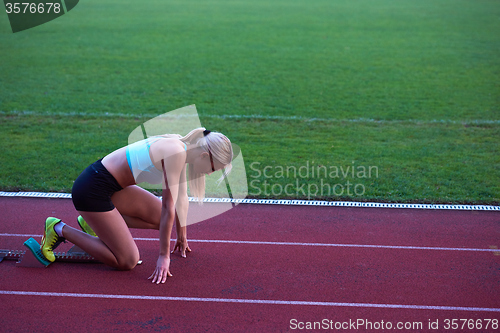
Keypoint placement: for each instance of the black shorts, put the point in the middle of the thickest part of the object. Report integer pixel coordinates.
(92, 190)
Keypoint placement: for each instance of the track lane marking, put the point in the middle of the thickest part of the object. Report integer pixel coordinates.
(248, 301)
(398, 247)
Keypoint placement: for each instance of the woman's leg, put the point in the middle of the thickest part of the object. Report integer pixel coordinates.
(139, 208)
(114, 245)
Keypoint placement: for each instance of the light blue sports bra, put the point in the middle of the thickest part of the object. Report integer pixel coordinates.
(140, 162)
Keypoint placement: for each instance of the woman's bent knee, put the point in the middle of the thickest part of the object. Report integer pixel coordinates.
(126, 266)
(128, 263)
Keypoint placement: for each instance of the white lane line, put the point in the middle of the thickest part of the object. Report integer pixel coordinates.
(301, 244)
(249, 301)
(255, 116)
(343, 245)
(20, 235)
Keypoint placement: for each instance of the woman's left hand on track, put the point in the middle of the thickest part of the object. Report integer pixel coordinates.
(182, 246)
(162, 270)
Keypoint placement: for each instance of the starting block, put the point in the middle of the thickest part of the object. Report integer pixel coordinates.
(33, 257)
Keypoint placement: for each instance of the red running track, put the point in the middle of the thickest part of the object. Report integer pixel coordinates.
(281, 268)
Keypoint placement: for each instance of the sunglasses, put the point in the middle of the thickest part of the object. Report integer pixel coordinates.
(205, 133)
(211, 160)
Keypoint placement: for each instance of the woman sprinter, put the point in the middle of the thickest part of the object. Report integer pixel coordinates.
(110, 202)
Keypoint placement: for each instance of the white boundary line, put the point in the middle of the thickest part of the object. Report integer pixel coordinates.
(288, 202)
(256, 116)
(397, 247)
(248, 301)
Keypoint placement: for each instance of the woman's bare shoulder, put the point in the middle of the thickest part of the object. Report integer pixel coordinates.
(168, 148)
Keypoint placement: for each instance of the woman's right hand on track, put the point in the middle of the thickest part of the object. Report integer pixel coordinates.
(162, 270)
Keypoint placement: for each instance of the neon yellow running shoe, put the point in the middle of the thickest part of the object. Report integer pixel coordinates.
(50, 239)
(85, 227)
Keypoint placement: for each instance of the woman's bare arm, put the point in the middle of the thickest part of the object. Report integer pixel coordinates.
(172, 167)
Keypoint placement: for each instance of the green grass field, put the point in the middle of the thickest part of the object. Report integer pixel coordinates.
(410, 89)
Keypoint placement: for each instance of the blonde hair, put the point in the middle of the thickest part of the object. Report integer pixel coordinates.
(215, 143)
